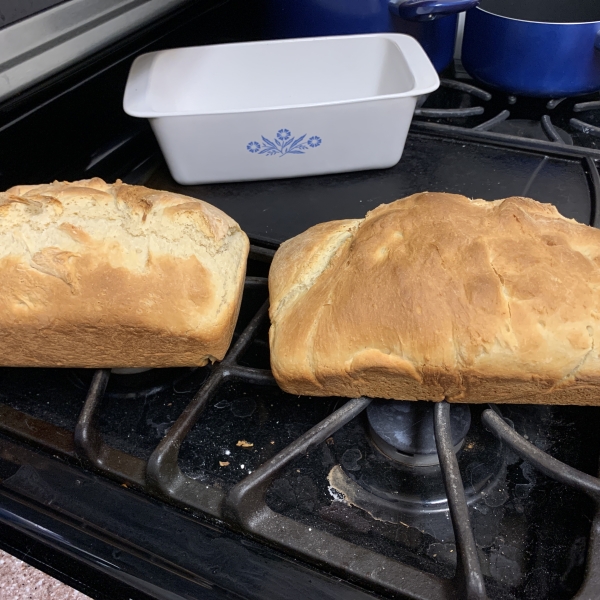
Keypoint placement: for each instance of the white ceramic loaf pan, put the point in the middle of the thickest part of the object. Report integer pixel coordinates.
(284, 108)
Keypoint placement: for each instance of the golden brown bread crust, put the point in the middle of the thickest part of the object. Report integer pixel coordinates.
(440, 297)
(99, 275)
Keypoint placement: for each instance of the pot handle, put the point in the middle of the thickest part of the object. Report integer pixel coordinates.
(428, 10)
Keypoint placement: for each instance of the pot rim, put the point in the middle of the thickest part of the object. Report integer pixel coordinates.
(536, 22)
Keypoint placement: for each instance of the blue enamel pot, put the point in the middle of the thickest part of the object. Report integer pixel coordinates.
(431, 22)
(547, 48)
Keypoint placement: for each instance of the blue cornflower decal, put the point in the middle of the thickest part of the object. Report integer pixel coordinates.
(283, 143)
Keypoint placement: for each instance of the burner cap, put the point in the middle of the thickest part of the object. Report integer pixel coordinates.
(403, 430)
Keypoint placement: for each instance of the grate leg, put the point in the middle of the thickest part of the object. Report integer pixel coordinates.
(468, 572)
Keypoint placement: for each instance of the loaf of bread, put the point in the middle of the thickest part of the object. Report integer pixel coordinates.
(100, 275)
(440, 297)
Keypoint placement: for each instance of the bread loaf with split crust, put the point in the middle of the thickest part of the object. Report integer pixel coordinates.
(115, 275)
(437, 296)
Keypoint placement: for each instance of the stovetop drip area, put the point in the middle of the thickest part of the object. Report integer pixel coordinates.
(530, 531)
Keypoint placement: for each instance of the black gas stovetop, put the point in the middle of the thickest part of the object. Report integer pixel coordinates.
(212, 482)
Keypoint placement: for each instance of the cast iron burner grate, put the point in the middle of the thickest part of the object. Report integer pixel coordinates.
(573, 121)
(243, 506)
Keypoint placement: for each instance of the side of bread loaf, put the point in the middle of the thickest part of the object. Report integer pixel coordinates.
(113, 275)
(440, 297)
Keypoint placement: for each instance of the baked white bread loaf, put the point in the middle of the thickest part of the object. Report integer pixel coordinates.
(440, 297)
(100, 275)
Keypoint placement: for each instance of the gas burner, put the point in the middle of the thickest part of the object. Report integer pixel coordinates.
(395, 490)
(403, 430)
(134, 383)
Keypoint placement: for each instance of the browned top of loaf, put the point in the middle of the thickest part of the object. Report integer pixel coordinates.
(92, 272)
(438, 296)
